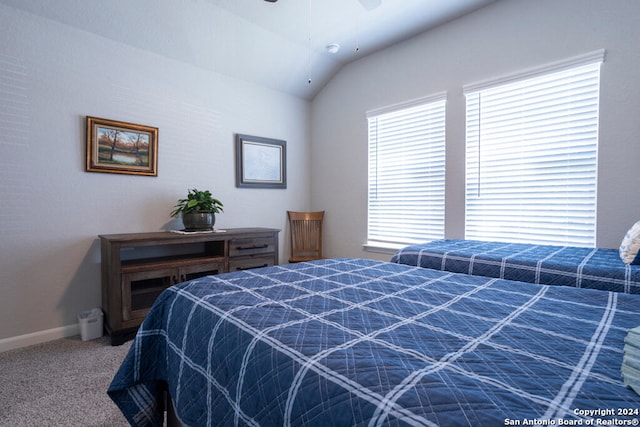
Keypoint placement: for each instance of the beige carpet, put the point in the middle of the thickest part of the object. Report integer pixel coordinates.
(60, 383)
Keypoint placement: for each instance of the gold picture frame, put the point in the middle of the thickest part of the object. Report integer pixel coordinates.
(120, 147)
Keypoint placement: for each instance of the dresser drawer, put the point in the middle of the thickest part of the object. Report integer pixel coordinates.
(251, 246)
(251, 262)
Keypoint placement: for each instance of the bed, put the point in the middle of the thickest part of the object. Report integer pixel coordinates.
(354, 342)
(592, 268)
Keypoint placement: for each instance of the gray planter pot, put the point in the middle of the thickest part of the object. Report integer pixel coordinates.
(198, 221)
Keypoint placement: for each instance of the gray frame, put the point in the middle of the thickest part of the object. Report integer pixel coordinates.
(260, 162)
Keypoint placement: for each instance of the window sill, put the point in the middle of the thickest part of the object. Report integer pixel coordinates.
(382, 248)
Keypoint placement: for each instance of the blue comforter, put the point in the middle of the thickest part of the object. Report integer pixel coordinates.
(352, 342)
(593, 268)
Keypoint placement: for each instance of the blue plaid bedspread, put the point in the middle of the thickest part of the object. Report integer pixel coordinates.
(590, 268)
(353, 342)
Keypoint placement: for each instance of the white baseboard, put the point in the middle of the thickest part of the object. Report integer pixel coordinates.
(39, 337)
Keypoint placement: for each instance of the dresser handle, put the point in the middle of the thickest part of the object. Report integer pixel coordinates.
(243, 248)
(250, 268)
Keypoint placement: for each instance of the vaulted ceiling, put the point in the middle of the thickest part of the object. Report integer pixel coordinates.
(281, 45)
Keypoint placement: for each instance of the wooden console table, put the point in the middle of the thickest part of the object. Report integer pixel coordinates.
(137, 267)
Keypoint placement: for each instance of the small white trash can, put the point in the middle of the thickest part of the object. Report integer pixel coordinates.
(90, 324)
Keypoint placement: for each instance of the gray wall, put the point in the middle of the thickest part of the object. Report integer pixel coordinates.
(51, 210)
(506, 37)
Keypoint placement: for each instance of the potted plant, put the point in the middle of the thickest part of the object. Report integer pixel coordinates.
(198, 210)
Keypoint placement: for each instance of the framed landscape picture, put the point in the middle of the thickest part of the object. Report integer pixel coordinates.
(120, 147)
(260, 162)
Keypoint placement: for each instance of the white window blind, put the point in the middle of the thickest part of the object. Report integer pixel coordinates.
(406, 173)
(531, 157)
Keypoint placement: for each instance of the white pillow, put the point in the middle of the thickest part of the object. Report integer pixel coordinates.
(631, 245)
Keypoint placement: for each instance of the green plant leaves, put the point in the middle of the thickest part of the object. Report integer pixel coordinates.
(197, 201)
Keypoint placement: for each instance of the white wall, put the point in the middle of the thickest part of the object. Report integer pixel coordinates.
(506, 37)
(51, 210)
(52, 76)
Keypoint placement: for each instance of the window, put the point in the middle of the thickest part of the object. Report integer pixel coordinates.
(531, 157)
(406, 173)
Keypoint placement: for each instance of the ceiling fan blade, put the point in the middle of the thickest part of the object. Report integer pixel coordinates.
(370, 4)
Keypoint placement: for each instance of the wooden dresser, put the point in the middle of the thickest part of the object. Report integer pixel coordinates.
(137, 267)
